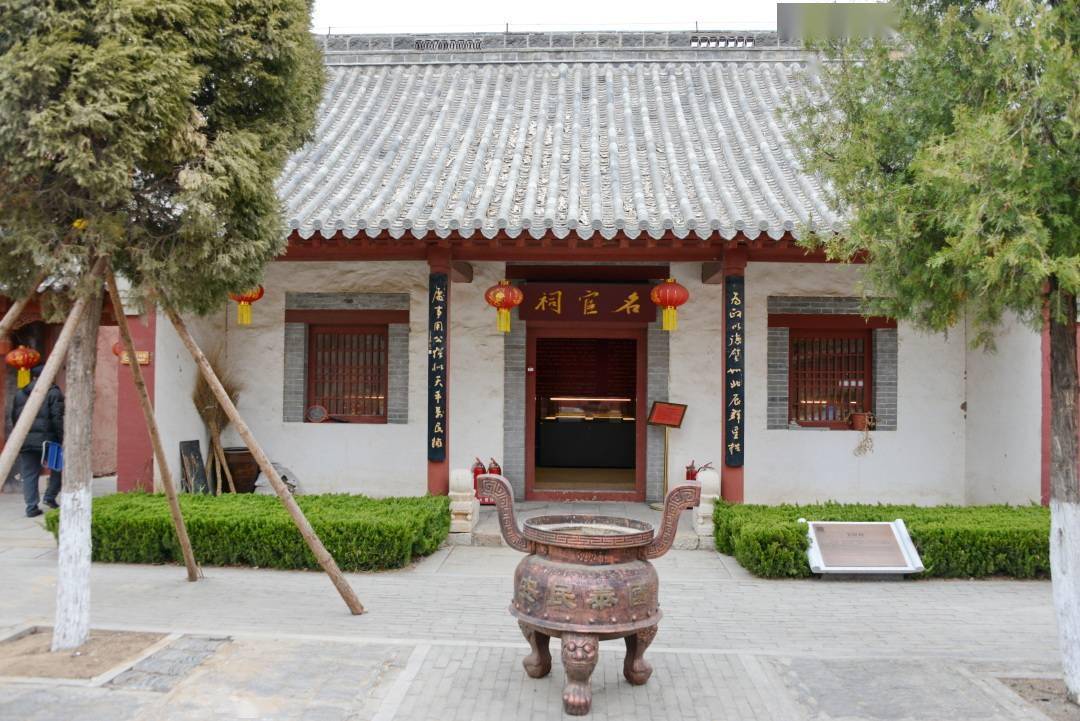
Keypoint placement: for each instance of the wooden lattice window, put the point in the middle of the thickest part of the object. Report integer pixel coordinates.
(829, 376)
(348, 372)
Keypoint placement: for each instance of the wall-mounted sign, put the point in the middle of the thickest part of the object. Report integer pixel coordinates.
(861, 547)
(595, 303)
(438, 322)
(142, 356)
(667, 414)
(734, 359)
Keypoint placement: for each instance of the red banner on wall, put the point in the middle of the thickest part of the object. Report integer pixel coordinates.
(596, 303)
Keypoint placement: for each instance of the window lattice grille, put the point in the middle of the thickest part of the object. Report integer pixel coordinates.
(348, 371)
(829, 376)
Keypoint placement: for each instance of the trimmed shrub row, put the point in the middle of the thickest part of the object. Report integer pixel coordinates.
(953, 541)
(362, 534)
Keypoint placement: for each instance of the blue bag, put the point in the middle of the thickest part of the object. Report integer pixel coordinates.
(52, 456)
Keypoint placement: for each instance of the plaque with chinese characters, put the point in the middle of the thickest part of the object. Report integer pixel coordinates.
(438, 321)
(595, 303)
(734, 380)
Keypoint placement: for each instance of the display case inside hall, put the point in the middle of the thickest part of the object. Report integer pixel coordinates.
(586, 432)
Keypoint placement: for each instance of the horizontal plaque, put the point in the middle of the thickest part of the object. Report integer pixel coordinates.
(589, 302)
(861, 547)
(142, 356)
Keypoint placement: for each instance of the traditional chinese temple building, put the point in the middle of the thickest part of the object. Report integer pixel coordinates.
(586, 168)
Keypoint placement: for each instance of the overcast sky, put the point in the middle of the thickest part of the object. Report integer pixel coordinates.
(461, 15)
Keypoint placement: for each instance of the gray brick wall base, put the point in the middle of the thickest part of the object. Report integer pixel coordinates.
(884, 355)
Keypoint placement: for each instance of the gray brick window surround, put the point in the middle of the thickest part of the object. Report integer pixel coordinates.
(397, 410)
(883, 352)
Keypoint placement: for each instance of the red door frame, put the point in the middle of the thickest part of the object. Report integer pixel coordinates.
(541, 329)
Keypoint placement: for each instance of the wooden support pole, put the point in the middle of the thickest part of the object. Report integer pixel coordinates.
(317, 548)
(152, 427)
(48, 375)
(16, 310)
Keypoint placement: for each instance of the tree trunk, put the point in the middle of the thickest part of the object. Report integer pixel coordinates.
(1065, 496)
(72, 627)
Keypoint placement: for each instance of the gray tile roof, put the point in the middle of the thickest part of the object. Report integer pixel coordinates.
(693, 147)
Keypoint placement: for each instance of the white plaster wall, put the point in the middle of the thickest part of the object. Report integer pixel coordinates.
(174, 380)
(922, 462)
(696, 350)
(1004, 416)
(369, 458)
(476, 371)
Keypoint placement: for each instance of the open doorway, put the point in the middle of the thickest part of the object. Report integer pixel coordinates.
(585, 437)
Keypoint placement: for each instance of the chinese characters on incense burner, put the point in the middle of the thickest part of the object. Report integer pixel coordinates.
(734, 357)
(438, 320)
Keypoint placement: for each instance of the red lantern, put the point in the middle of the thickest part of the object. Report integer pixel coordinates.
(503, 297)
(24, 359)
(669, 295)
(244, 301)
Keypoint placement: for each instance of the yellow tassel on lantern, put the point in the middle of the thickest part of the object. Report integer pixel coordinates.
(669, 319)
(23, 377)
(503, 322)
(243, 313)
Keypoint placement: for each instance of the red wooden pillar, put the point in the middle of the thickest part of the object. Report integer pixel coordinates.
(731, 478)
(134, 454)
(438, 376)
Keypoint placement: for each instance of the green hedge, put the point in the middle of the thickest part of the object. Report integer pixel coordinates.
(953, 541)
(361, 533)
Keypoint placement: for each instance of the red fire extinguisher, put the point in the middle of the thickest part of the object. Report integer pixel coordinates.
(494, 468)
(478, 470)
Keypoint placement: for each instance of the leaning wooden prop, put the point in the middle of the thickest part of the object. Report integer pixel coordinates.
(152, 428)
(326, 561)
(586, 579)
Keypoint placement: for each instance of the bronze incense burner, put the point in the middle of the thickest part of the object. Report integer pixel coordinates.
(586, 579)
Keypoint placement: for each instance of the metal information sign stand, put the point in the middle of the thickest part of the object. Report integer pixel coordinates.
(668, 416)
(874, 547)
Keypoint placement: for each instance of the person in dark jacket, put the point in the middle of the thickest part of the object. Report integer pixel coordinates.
(48, 426)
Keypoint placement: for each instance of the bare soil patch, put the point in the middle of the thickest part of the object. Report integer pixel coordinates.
(1047, 695)
(29, 655)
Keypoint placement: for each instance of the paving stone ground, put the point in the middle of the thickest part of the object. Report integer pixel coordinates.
(437, 644)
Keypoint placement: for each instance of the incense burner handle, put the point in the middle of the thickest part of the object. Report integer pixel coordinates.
(678, 499)
(498, 488)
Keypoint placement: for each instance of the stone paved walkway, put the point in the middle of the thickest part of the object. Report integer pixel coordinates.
(437, 643)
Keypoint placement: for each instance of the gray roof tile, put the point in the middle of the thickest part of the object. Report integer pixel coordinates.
(690, 147)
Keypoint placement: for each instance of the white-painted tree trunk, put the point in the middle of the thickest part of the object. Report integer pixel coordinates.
(1065, 568)
(72, 626)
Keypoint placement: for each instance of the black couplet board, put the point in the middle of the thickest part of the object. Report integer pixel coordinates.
(192, 470)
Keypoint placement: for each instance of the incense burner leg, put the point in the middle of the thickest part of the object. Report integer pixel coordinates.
(635, 668)
(538, 663)
(580, 652)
